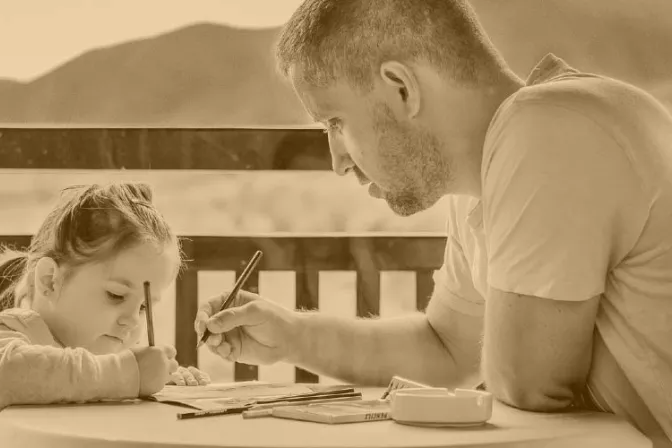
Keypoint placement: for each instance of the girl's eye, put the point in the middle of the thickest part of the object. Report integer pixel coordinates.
(118, 298)
(114, 296)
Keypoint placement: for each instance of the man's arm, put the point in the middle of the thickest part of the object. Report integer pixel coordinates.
(537, 351)
(370, 352)
(441, 347)
(562, 206)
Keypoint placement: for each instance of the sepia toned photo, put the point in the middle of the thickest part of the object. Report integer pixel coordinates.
(336, 223)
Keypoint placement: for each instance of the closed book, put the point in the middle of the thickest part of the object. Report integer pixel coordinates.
(335, 413)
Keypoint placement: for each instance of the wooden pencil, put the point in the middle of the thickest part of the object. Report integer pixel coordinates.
(234, 292)
(149, 315)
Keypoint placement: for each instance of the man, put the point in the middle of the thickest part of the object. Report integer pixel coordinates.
(556, 287)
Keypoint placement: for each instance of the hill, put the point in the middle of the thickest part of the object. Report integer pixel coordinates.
(204, 74)
(215, 75)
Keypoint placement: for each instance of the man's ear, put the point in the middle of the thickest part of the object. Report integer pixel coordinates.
(46, 278)
(404, 85)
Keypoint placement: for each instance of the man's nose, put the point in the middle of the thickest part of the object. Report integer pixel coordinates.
(341, 162)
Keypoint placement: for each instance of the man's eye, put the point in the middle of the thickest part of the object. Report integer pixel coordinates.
(333, 125)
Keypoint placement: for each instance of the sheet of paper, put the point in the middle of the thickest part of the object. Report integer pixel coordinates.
(220, 395)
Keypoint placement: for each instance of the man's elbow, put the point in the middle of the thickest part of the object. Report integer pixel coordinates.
(528, 397)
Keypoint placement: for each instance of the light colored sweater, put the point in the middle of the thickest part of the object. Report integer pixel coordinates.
(35, 369)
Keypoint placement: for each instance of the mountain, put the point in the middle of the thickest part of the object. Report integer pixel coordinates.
(204, 74)
(215, 75)
(630, 40)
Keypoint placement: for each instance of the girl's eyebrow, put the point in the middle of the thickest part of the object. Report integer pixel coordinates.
(123, 281)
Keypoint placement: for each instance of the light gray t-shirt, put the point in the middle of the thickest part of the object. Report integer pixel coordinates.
(577, 201)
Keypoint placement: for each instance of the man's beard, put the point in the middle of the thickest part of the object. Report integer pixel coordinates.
(414, 157)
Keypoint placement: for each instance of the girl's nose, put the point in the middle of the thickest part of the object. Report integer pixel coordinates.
(130, 318)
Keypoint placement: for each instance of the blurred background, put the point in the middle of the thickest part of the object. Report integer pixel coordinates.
(207, 63)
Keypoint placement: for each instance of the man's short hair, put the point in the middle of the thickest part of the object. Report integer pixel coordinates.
(349, 39)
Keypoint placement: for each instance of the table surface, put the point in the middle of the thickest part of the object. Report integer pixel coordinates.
(134, 424)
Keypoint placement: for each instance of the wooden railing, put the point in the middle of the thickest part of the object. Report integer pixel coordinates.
(233, 149)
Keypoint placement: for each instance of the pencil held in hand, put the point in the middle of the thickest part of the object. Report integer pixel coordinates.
(234, 292)
(149, 315)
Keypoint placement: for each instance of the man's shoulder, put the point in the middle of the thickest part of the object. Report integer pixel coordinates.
(598, 98)
(565, 105)
(554, 81)
(581, 118)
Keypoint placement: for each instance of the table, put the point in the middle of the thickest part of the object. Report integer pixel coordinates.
(135, 424)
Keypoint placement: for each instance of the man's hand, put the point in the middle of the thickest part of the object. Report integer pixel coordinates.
(252, 331)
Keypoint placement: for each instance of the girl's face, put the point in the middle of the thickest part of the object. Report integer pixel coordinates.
(100, 307)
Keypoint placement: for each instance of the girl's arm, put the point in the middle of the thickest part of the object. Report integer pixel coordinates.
(43, 374)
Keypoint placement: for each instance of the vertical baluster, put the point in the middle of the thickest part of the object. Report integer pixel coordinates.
(307, 280)
(368, 293)
(424, 285)
(186, 305)
(247, 372)
(364, 258)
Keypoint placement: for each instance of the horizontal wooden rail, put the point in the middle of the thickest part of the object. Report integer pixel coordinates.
(253, 148)
(164, 148)
(307, 256)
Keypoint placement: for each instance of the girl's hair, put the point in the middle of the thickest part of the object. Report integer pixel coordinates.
(89, 223)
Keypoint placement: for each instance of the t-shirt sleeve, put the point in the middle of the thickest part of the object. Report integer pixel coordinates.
(562, 204)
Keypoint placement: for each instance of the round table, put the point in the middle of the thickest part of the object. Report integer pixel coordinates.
(135, 424)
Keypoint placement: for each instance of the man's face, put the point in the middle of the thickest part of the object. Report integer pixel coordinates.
(401, 162)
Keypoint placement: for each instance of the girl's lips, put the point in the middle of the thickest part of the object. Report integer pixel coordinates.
(114, 338)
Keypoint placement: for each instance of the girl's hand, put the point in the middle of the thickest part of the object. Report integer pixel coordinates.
(156, 366)
(189, 376)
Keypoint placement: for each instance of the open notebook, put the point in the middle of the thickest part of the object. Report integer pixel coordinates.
(236, 394)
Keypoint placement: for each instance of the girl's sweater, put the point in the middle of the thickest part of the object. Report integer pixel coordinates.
(35, 369)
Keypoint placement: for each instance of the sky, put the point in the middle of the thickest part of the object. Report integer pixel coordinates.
(38, 35)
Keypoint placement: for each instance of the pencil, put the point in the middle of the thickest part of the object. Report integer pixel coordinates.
(267, 410)
(304, 400)
(234, 292)
(149, 315)
(211, 412)
(309, 395)
(259, 407)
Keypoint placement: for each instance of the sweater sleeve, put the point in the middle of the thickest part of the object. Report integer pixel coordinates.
(43, 374)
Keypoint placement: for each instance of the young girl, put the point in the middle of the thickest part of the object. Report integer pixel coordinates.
(77, 301)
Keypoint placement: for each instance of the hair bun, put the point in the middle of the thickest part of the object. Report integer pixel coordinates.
(143, 191)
